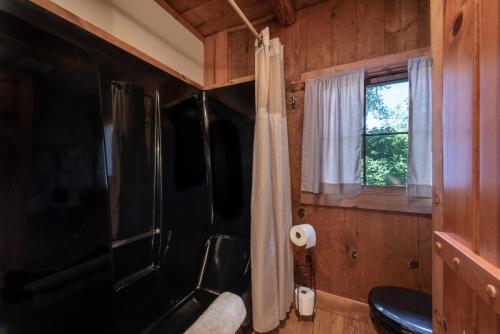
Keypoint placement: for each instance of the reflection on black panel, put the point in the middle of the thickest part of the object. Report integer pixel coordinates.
(186, 219)
(227, 175)
(189, 150)
(128, 139)
(54, 234)
(182, 258)
(228, 262)
(185, 174)
(132, 258)
(231, 145)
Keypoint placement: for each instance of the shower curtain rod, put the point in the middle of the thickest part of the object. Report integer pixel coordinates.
(245, 19)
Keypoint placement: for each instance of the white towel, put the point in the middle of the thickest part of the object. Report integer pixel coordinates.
(224, 316)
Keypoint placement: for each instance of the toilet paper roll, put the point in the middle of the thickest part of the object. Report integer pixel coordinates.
(303, 235)
(305, 302)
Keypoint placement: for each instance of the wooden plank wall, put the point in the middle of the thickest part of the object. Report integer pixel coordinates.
(437, 10)
(331, 33)
(471, 156)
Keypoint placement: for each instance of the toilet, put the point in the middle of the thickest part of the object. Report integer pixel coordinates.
(395, 310)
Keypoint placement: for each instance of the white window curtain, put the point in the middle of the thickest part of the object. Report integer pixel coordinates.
(420, 128)
(271, 214)
(332, 134)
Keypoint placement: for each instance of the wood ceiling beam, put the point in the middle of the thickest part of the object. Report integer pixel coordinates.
(169, 9)
(285, 11)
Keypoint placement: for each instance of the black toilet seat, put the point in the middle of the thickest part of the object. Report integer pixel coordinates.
(400, 311)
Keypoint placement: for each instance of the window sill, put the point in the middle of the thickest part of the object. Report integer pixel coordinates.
(373, 198)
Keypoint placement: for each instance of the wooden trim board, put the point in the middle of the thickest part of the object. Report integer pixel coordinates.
(436, 19)
(76, 20)
(376, 64)
(480, 275)
(346, 307)
(169, 9)
(370, 65)
(236, 81)
(373, 198)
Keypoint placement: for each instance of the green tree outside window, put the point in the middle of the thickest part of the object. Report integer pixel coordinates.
(386, 134)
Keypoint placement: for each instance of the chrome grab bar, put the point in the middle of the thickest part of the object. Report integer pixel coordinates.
(134, 277)
(121, 242)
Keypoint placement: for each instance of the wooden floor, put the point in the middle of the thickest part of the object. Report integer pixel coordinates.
(334, 315)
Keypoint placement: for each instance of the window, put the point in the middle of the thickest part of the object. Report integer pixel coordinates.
(385, 134)
(387, 164)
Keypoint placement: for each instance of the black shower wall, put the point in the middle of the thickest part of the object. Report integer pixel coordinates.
(58, 271)
(207, 153)
(56, 263)
(231, 125)
(186, 210)
(55, 268)
(207, 161)
(136, 306)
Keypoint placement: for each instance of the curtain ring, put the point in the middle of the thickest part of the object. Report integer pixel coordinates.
(261, 40)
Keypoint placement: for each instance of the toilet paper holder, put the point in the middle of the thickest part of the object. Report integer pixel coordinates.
(305, 277)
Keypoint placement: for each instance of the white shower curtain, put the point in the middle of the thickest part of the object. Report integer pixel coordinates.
(272, 262)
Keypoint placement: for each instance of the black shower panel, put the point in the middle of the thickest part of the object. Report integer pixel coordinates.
(231, 147)
(187, 208)
(207, 159)
(129, 145)
(207, 153)
(55, 264)
(124, 192)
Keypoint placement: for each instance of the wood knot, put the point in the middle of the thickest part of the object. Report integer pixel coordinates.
(301, 213)
(413, 264)
(458, 24)
(333, 11)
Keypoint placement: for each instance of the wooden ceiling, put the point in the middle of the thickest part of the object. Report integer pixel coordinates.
(207, 17)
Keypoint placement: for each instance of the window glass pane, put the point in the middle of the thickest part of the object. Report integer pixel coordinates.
(387, 107)
(386, 160)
